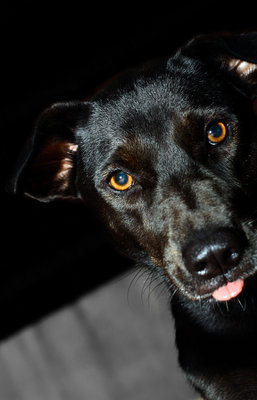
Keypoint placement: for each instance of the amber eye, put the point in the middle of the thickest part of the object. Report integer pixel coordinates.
(120, 180)
(216, 132)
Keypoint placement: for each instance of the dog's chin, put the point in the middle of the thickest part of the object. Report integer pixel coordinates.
(223, 287)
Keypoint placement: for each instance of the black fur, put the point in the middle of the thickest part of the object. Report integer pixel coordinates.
(190, 213)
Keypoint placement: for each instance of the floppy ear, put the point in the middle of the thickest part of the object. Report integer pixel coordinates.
(235, 55)
(47, 166)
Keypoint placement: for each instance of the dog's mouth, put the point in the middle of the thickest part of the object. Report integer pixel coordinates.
(224, 287)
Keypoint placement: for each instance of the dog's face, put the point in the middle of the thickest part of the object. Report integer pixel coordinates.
(167, 157)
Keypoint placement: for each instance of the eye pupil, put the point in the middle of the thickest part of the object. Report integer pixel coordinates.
(121, 178)
(216, 132)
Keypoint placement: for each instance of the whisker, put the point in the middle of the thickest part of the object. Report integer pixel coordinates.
(164, 288)
(154, 288)
(146, 285)
(200, 302)
(153, 285)
(153, 279)
(137, 276)
(173, 294)
(219, 308)
(241, 305)
(252, 221)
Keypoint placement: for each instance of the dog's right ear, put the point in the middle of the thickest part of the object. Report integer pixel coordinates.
(233, 54)
(47, 165)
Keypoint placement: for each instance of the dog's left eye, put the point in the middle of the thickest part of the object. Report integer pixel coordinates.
(216, 132)
(120, 180)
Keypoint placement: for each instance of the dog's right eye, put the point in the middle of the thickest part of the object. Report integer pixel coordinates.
(120, 180)
(216, 132)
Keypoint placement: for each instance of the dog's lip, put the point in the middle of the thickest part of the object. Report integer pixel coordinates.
(215, 284)
(206, 289)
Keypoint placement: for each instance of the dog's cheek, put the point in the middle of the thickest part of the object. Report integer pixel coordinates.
(132, 235)
(123, 227)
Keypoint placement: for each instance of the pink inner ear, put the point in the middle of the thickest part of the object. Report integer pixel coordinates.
(65, 165)
(51, 170)
(242, 68)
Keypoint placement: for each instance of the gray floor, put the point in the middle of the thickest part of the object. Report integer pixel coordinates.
(116, 343)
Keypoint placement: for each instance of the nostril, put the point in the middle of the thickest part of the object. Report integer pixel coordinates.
(202, 268)
(230, 256)
(205, 267)
(209, 254)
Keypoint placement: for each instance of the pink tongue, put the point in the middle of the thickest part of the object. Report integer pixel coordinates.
(230, 290)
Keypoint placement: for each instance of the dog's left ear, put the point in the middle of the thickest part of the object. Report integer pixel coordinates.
(236, 55)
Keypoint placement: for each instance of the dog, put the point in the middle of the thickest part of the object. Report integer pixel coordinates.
(166, 157)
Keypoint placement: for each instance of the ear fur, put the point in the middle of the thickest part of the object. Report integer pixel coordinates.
(47, 167)
(235, 55)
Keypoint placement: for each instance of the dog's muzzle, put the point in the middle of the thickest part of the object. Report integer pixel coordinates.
(216, 253)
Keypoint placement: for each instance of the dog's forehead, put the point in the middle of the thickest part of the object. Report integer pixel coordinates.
(149, 112)
(153, 101)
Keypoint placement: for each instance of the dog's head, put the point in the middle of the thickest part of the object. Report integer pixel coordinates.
(167, 157)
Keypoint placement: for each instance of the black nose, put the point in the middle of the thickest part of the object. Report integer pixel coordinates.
(215, 252)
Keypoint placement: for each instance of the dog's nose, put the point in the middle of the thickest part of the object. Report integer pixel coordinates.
(213, 253)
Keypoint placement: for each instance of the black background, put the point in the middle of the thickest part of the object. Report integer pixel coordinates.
(53, 51)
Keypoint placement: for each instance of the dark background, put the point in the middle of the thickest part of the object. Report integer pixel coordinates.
(51, 254)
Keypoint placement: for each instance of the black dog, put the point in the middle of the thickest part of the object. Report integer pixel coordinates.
(167, 157)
